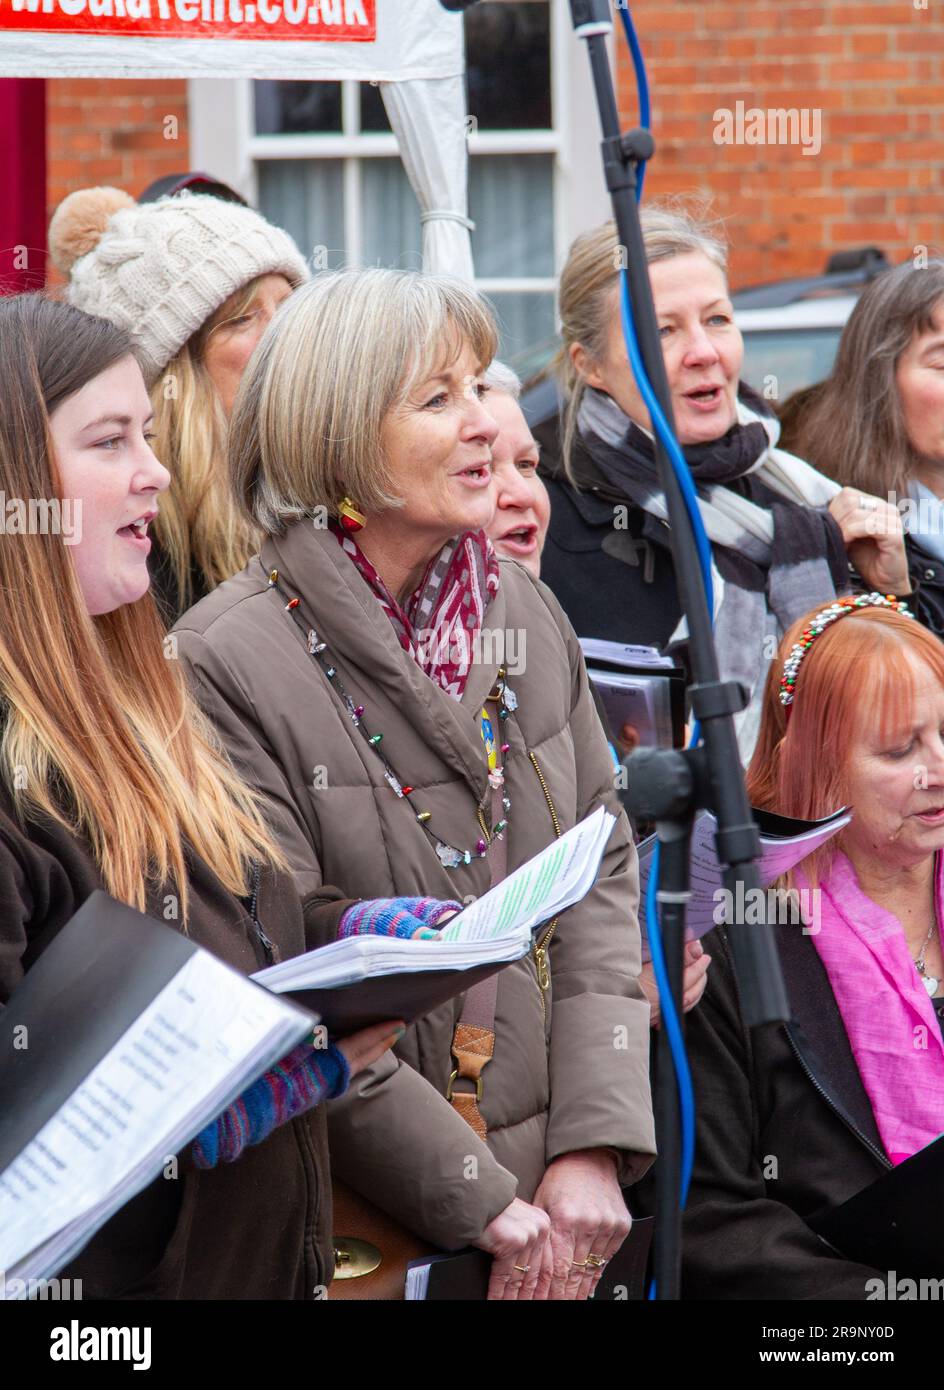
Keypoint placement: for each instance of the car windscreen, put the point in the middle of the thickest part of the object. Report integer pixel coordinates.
(780, 361)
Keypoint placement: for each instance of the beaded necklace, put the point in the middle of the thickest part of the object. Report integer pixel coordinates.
(503, 696)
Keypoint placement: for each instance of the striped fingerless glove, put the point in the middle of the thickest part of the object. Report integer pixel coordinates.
(303, 1079)
(394, 916)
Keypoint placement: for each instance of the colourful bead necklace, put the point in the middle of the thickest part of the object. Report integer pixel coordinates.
(450, 857)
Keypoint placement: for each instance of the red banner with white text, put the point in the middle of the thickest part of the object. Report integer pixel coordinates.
(338, 20)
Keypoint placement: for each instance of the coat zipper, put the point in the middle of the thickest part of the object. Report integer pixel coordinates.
(850, 1124)
(541, 960)
(266, 944)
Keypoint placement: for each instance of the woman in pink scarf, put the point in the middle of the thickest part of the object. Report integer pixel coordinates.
(797, 1119)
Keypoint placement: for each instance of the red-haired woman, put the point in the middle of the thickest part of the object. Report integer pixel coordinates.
(798, 1118)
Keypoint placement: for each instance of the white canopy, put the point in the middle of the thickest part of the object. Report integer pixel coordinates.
(414, 48)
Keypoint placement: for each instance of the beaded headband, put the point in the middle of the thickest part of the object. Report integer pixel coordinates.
(839, 608)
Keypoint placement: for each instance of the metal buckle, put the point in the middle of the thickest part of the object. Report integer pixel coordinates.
(451, 1086)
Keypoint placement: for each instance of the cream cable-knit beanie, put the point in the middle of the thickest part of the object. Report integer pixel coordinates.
(160, 270)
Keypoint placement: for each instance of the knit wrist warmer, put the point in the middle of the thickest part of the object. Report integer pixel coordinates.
(394, 916)
(299, 1082)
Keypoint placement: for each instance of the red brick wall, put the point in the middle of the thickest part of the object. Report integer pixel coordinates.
(115, 132)
(875, 70)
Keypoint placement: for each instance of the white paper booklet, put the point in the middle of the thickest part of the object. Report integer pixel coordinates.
(496, 927)
(622, 653)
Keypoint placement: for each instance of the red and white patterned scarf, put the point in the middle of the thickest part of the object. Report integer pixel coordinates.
(443, 617)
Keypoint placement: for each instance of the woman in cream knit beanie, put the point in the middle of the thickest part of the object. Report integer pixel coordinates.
(195, 281)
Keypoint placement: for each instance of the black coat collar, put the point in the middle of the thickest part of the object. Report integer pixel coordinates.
(818, 1036)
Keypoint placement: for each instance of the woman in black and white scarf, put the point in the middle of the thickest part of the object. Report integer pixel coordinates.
(784, 537)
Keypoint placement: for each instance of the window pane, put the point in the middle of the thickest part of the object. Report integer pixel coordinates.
(373, 111)
(391, 233)
(511, 201)
(306, 197)
(526, 322)
(508, 62)
(297, 108)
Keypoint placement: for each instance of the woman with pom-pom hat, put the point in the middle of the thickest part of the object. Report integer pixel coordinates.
(195, 281)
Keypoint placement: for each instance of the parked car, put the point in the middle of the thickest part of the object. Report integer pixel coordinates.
(791, 328)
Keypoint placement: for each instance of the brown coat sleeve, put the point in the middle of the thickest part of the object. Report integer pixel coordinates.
(599, 1055)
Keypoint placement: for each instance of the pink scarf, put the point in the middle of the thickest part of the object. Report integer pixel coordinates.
(442, 619)
(889, 1018)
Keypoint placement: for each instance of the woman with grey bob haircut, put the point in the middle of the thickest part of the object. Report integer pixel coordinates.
(418, 715)
(877, 422)
(780, 531)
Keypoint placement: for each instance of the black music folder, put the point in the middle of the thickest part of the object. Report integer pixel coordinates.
(897, 1222)
(464, 1276)
(123, 1040)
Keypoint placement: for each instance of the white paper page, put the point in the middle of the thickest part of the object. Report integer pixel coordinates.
(362, 957)
(417, 1283)
(777, 857)
(181, 1050)
(540, 889)
(621, 653)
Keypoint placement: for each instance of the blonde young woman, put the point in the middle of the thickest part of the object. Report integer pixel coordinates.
(782, 534)
(195, 280)
(111, 778)
(347, 672)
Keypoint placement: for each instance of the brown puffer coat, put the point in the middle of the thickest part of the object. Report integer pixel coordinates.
(570, 1069)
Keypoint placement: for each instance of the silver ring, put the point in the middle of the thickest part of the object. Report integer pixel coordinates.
(868, 504)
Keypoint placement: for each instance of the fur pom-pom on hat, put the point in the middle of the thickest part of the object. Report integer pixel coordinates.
(79, 222)
(162, 269)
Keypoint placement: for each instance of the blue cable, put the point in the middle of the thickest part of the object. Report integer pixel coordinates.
(642, 84)
(670, 1019)
(667, 438)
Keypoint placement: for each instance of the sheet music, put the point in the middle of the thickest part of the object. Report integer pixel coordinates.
(181, 1050)
(554, 879)
(778, 856)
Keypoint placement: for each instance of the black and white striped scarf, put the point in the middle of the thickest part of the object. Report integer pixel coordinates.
(776, 553)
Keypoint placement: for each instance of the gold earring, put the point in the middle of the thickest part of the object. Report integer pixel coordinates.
(351, 519)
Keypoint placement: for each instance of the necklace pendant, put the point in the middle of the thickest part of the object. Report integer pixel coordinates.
(450, 858)
(496, 779)
(509, 698)
(930, 984)
(389, 777)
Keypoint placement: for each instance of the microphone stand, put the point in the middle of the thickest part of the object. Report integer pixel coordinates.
(668, 786)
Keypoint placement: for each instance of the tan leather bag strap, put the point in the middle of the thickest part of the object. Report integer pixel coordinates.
(474, 1040)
